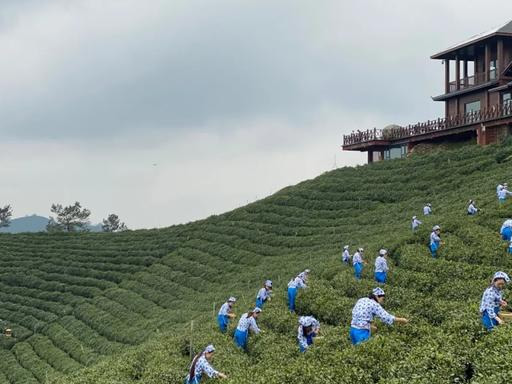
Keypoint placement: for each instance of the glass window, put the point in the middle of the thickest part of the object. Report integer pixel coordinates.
(474, 106)
(506, 98)
(386, 154)
(404, 151)
(395, 153)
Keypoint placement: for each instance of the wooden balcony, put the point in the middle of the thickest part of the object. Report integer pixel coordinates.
(471, 81)
(365, 140)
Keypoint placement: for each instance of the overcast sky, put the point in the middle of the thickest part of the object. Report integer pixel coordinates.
(170, 111)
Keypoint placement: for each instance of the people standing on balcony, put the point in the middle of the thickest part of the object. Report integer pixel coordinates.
(381, 267)
(246, 323)
(502, 194)
(358, 263)
(427, 209)
(435, 240)
(492, 302)
(201, 365)
(264, 294)
(506, 230)
(294, 284)
(308, 329)
(225, 314)
(415, 223)
(472, 209)
(363, 313)
(345, 256)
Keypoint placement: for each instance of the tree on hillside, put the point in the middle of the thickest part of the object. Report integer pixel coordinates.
(5, 216)
(72, 218)
(113, 224)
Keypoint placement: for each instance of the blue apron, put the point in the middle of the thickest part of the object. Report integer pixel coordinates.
(357, 336)
(489, 323)
(506, 233)
(259, 303)
(195, 380)
(433, 249)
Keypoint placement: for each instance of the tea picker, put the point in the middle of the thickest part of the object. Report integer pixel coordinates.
(502, 194)
(492, 302)
(427, 209)
(246, 323)
(381, 267)
(294, 284)
(309, 327)
(201, 365)
(345, 256)
(472, 209)
(358, 263)
(363, 313)
(506, 230)
(264, 294)
(225, 314)
(435, 240)
(415, 223)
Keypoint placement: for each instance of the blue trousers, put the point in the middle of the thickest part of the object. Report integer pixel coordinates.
(381, 277)
(259, 303)
(357, 336)
(195, 380)
(241, 339)
(506, 234)
(309, 340)
(223, 322)
(433, 249)
(489, 323)
(292, 294)
(358, 269)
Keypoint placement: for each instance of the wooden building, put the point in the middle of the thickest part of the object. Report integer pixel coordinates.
(478, 103)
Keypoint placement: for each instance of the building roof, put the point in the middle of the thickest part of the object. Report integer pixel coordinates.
(504, 30)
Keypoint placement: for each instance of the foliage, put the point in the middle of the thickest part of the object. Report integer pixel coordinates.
(5, 216)
(113, 224)
(72, 218)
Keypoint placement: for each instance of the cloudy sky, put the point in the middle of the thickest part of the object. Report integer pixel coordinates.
(169, 111)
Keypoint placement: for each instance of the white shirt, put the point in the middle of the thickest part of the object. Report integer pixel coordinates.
(357, 258)
(498, 188)
(225, 309)
(245, 323)
(434, 238)
(381, 265)
(366, 310)
(263, 294)
(346, 255)
(297, 283)
(427, 210)
(472, 209)
(415, 223)
(503, 194)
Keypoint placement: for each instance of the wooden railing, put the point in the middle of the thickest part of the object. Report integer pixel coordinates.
(488, 114)
(471, 81)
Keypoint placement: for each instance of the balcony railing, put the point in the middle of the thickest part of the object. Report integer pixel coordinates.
(471, 81)
(396, 133)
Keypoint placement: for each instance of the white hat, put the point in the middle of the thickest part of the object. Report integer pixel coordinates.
(307, 271)
(232, 299)
(345, 247)
(360, 249)
(429, 204)
(305, 321)
(383, 252)
(378, 292)
(268, 283)
(436, 227)
(256, 310)
(501, 275)
(414, 217)
(210, 348)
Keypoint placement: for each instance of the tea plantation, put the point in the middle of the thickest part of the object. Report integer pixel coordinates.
(132, 307)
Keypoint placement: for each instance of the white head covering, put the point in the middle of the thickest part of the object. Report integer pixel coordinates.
(414, 217)
(501, 275)
(256, 310)
(383, 252)
(268, 283)
(345, 247)
(360, 249)
(378, 292)
(436, 227)
(210, 348)
(232, 299)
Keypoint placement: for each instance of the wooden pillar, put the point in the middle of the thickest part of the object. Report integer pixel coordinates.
(487, 61)
(465, 72)
(446, 75)
(370, 157)
(457, 73)
(499, 58)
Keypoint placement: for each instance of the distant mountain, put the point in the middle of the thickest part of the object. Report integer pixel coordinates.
(35, 223)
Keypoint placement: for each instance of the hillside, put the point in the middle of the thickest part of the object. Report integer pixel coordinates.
(81, 300)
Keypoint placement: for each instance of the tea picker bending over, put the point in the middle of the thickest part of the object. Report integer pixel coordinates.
(246, 323)
(506, 230)
(472, 209)
(381, 267)
(345, 256)
(492, 302)
(294, 284)
(435, 240)
(427, 209)
(264, 294)
(225, 314)
(308, 329)
(363, 313)
(358, 263)
(201, 365)
(415, 223)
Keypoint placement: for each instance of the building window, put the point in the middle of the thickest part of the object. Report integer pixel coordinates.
(472, 107)
(492, 70)
(386, 154)
(404, 151)
(506, 98)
